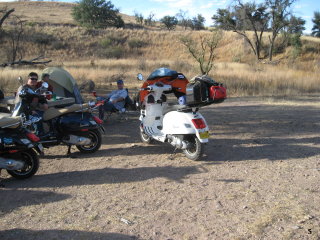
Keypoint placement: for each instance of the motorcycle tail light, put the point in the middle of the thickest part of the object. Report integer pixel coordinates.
(97, 120)
(13, 151)
(199, 123)
(33, 137)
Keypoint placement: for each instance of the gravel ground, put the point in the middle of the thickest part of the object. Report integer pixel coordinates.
(258, 179)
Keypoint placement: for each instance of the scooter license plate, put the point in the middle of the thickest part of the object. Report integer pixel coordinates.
(204, 135)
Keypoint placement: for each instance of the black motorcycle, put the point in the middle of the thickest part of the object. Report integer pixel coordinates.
(19, 148)
(69, 125)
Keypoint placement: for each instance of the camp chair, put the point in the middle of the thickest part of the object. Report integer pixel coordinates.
(122, 114)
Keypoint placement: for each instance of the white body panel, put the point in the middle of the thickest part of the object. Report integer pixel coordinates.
(158, 126)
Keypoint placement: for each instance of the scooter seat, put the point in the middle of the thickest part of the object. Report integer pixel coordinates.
(55, 112)
(174, 107)
(8, 121)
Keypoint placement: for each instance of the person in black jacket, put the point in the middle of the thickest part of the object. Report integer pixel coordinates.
(37, 104)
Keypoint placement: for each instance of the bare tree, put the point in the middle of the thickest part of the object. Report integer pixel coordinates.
(149, 21)
(5, 13)
(139, 18)
(183, 20)
(203, 51)
(13, 35)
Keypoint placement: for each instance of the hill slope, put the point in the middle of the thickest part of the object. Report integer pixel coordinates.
(50, 13)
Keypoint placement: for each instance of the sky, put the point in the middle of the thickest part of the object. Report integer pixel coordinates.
(207, 8)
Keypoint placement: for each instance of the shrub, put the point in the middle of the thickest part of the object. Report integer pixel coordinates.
(113, 52)
(137, 43)
(106, 43)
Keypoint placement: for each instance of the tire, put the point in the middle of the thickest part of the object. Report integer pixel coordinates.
(95, 136)
(194, 150)
(31, 160)
(145, 138)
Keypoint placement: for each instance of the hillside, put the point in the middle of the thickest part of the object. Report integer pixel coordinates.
(49, 13)
(104, 55)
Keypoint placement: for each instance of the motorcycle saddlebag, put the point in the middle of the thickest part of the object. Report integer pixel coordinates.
(76, 122)
(217, 93)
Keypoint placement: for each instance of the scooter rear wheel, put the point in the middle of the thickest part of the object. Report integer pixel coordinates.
(31, 164)
(145, 138)
(194, 150)
(95, 137)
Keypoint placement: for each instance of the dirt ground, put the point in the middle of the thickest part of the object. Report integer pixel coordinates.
(259, 179)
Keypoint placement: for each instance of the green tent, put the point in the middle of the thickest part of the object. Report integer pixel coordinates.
(64, 85)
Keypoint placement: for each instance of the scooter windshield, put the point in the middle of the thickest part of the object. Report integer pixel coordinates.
(162, 72)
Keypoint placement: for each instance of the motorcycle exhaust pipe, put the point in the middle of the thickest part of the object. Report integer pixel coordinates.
(77, 140)
(177, 142)
(10, 164)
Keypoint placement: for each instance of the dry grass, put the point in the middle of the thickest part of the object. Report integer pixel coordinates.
(42, 12)
(104, 55)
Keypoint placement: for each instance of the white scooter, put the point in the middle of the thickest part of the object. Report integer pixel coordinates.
(180, 125)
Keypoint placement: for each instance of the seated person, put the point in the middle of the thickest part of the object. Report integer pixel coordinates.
(115, 101)
(37, 105)
(45, 78)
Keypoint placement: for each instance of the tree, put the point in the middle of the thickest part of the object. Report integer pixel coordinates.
(296, 25)
(149, 21)
(170, 22)
(279, 14)
(242, 17)
(5, 13)
(139, 18)
(97, 14)
(316, 25)
(292, 32)
(198, 22)
(203, 53)
(183, 20)
(12, 36)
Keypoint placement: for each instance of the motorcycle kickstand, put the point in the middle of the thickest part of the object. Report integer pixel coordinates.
(171, 157)
(69, 150)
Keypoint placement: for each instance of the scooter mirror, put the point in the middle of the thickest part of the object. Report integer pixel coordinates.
(91, 103)
(140, 77)
(20, 80)
(45, 85)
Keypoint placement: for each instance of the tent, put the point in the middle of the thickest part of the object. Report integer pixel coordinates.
(64, 85)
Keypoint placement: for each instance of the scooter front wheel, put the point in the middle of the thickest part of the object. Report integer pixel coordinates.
(95, 137)
(31, 164)
(194, 149)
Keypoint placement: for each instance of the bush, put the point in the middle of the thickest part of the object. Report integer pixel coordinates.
(41, 38)
(57, 45)
(137, 43)
(106, 43)
(113, 52)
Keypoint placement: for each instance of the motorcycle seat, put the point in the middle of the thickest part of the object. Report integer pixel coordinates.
(8, 121)
(174, 107)
(55, 112)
